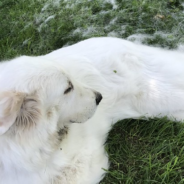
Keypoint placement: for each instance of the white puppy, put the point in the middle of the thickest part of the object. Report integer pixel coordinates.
(38, 101)
(42, 96)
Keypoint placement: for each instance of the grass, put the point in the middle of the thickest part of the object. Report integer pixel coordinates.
(146, 152)
(141, 152)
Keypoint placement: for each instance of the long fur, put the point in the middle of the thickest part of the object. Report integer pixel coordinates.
(135, 81)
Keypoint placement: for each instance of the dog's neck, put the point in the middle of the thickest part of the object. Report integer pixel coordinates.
(30, 153)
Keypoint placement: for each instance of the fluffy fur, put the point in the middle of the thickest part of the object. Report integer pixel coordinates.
(40, 145)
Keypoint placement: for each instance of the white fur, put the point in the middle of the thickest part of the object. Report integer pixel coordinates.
(134, 80)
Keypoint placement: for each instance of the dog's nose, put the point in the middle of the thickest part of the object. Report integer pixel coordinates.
(98, 97)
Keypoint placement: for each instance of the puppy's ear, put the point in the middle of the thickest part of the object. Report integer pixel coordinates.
(10, 104)
(30, 112)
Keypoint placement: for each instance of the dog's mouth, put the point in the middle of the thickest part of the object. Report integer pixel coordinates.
(72, 121)
(85, 113)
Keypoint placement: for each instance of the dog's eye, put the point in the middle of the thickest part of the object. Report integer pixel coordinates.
(69, 88)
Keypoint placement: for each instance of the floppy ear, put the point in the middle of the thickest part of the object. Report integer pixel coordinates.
(30, 112)
(10, 104)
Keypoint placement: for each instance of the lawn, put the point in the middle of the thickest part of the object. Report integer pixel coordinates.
(140, 151)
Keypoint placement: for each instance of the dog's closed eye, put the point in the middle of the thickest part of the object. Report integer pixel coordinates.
(69, 89)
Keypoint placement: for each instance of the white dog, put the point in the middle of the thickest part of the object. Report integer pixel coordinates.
(43, 99)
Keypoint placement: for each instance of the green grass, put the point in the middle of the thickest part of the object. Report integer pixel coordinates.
(146, 152)
(141, 152)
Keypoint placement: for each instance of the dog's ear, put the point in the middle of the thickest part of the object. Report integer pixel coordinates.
(30, 112)
(10, 104)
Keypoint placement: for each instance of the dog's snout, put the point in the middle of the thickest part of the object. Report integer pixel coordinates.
(98, 97)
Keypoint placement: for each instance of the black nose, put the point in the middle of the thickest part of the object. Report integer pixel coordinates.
(98, 98)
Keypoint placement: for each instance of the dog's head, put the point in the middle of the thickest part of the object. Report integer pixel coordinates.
(38, 95)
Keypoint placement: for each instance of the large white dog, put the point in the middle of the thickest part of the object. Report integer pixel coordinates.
(45, 100)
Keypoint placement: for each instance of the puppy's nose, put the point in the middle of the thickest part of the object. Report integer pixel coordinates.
(98, 97)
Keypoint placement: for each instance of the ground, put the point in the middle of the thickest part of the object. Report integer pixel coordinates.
(141, 152)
